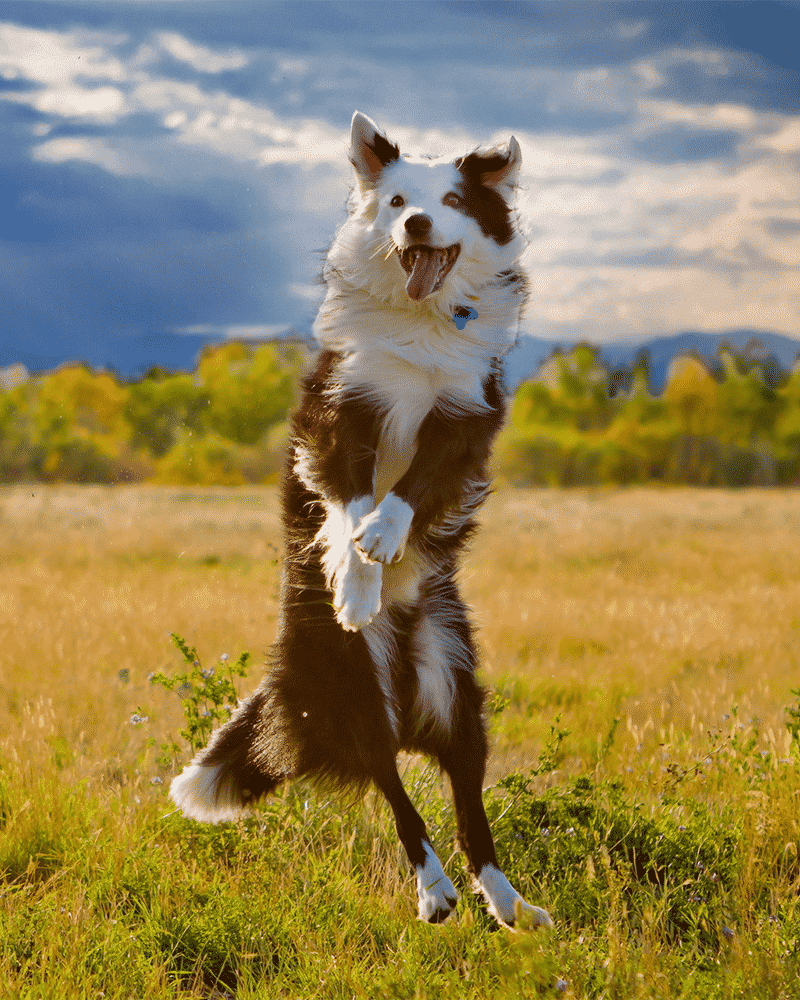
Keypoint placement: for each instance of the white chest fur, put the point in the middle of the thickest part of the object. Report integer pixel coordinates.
(406, 393)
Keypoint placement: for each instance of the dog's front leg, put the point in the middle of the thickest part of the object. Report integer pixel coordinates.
(356, 583)
(382, 535)
(343, 473)
(450, 458)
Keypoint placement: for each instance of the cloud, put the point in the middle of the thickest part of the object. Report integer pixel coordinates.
(66, 70)
(94, 151)
(73, 72)
(310, 293)
(263, 331)
(199, 57)
(290, 69)
(55, 58)
(678, 241)
(102, 103)
(785, 139)
(779, 227)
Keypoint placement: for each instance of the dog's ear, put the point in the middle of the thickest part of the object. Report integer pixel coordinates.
(497, 167)
(370, 150)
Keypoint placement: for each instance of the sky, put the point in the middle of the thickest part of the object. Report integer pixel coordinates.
(174, 172)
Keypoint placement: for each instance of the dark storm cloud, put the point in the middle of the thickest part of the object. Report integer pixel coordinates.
(777, 226)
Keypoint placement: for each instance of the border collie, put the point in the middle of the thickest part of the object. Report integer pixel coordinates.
(386, 470)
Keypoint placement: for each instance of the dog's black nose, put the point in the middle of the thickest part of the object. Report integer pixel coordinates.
(418, 226)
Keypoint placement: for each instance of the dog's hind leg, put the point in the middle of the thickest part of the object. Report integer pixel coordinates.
(436, 894)
(464, 759)
(457, 739)
(465, 771)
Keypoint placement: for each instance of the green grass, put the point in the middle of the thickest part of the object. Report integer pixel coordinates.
(668, 884)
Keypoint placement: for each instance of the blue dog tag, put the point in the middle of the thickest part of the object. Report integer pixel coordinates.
(463, 315)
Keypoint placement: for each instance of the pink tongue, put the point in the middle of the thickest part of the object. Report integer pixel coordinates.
(423, 278)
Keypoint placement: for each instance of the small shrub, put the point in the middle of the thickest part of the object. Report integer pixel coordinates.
(209, 695)
(586, 842)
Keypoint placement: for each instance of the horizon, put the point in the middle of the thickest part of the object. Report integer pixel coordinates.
(523, 362)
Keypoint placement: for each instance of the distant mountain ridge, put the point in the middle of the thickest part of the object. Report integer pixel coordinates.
(129, 356)
(524, 361)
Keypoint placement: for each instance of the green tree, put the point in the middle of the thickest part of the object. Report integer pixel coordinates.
(747, 406)
(786, 431)
(582, 388)
(249, 388)
(16, 458)
(160, 406)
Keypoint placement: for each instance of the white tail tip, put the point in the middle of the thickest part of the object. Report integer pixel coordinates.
(200, 794)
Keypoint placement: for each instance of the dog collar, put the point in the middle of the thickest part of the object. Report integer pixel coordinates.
(462, 315)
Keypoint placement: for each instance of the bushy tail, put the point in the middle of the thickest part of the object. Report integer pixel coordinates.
(239, 765)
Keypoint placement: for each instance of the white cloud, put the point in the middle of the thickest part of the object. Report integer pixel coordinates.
(56, 58)
(88, 150)
(75, 71)
(785, 139)
(198, 56)
(309, 293)
(266, 331)
(236, 129)
(649, 247)
(101, 103)
(291, 68)
(631, 29)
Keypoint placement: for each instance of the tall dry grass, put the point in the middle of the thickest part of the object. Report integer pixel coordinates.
(663, 607)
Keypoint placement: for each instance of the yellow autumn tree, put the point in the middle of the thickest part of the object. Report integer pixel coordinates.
(692, 394)
(78, 425)
(692, 399)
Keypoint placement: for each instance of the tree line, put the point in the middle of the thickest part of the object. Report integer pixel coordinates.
(733, 423)
(223, 424)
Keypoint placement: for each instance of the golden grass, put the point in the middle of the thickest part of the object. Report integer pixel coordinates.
(94, 579)
(661, 607)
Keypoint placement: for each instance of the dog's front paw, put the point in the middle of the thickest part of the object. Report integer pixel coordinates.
(357, 595)
(382, 535)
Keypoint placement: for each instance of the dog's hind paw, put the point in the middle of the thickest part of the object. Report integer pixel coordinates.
(436, 893)
(381, 536)
(530, 918)
(357, 596)
(506, 904)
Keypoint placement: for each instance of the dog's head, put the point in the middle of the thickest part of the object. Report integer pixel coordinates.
(427, 215)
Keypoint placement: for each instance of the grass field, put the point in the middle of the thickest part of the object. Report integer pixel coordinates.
(661, 628)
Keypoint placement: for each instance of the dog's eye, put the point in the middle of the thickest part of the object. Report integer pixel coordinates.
(398, 201)
(452, 200)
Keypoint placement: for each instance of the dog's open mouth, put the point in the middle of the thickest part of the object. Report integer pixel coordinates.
(427, 268)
